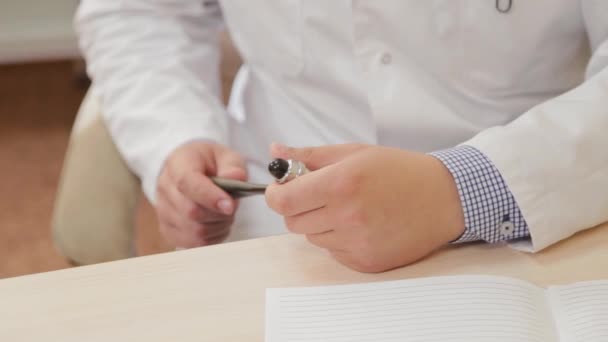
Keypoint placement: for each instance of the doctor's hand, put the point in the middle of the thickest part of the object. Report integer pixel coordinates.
(373, 208)
(191, 209)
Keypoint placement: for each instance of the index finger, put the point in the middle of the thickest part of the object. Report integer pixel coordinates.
(200, 189)
(303, 194)
(316, 157)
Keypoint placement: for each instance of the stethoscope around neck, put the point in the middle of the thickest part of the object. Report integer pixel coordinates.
(504, 6)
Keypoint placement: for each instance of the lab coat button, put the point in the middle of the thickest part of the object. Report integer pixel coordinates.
(386, 58)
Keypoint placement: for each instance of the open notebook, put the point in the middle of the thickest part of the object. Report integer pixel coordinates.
(456, 308)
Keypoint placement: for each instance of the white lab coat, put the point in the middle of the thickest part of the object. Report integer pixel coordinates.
(528, 88)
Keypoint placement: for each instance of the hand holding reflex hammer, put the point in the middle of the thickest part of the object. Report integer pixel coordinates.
(191, 209)
(198, 189)
(373, 208)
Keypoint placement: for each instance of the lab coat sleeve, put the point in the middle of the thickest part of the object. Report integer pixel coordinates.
(154, 65)
(554, 158)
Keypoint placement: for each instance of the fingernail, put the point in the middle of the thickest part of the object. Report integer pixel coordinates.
(225, 206)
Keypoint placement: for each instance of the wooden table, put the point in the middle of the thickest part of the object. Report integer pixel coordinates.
(217, 293)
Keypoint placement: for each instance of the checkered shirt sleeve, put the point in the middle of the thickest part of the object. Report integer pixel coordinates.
(490, 211)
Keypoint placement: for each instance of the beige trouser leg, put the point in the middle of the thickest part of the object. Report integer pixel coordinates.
(93, 219)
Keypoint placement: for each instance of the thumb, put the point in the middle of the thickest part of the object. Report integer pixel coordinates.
(315, 157)
(230, 164)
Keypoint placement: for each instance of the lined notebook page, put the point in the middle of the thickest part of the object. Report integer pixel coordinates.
(581, 311)
(469, 308)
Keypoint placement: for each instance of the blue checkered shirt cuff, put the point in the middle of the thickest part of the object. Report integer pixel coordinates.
(490, 211)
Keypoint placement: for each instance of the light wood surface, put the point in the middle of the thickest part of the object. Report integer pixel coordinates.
(217, 293)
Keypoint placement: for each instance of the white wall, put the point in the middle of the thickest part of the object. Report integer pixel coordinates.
(36, 30)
